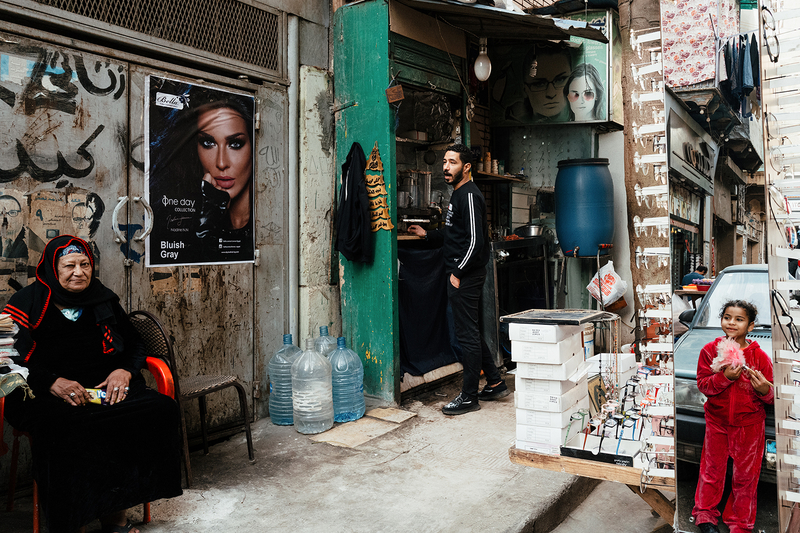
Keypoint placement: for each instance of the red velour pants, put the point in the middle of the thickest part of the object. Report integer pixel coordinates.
(745, 445)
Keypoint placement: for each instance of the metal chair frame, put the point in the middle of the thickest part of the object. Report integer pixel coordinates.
(159, 345)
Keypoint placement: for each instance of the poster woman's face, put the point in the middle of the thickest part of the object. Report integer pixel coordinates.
(223, 144)
(581, 95)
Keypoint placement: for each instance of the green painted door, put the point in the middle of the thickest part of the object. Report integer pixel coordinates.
(368, 291)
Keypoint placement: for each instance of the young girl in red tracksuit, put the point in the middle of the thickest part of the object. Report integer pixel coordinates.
(735, 418)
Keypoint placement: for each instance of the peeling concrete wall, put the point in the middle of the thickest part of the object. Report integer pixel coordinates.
(319, 290)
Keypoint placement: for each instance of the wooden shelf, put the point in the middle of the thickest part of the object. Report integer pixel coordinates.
(408, 238)
(429, 145)
(582, 467)
(485, 176)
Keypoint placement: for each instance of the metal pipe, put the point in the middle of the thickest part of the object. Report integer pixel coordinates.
(293, 67)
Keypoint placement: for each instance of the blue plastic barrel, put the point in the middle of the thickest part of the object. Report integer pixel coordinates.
(584, 199)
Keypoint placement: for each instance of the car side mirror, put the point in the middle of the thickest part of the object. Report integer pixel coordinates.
(686, 317)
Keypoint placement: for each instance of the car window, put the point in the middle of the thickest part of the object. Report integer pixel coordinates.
(750, 286)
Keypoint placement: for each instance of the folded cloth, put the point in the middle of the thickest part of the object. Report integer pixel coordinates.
(11, 381)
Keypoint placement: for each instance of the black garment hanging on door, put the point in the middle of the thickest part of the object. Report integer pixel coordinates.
(353, 232)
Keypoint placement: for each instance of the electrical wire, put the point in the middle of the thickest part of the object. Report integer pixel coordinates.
(466, 91)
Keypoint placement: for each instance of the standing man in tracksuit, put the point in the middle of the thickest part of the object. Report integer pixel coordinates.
(466, 251)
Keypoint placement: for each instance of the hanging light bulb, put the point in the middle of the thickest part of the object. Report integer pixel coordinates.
(483, 67)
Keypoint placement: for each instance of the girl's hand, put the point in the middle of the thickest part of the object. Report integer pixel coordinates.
(116, 385)
(732, 373)
(758, 381)
(71, 392)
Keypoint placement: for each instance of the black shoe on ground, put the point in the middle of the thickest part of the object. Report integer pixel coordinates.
(461, 405)
(708, 527)
(494, 393)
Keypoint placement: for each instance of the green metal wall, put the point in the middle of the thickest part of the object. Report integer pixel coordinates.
(368, 292)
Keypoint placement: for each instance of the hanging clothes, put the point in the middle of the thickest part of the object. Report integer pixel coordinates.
(736, 73)
(353, 233)
(755, 61)
(747, 77)
(747, 68)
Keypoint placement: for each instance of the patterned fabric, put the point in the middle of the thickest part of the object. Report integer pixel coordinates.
(11, 381)
(72, 313)
(690, 50)
(72, 249)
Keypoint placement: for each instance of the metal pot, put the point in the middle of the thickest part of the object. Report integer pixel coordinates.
(529, 230)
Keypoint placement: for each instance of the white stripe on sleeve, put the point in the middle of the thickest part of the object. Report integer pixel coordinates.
(472, 232)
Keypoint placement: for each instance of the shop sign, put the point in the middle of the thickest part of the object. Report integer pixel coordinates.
(692, 153)
(793, 204)
(698, 159)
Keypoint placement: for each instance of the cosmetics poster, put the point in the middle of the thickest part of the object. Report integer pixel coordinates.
(198, 174)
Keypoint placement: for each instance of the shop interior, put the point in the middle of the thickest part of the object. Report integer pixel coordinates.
(515, 167)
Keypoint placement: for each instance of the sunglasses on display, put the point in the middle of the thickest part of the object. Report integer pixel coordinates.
(574, 95)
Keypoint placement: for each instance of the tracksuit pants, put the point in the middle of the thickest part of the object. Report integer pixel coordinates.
(745, 445)
(465, 302)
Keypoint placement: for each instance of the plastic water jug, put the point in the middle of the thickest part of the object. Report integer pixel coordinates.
(348, 383)
(280, 382)
(312, 395)
(324, 343)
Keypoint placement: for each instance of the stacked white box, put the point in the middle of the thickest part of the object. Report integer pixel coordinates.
(552, 403)
(551, 384)
(545, 333)
(531, 417)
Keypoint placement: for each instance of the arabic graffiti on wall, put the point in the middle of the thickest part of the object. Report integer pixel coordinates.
(60, 110)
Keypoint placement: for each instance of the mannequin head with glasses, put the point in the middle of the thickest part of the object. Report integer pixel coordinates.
(584, 92)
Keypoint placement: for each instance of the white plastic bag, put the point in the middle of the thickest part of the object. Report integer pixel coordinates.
(614, 287)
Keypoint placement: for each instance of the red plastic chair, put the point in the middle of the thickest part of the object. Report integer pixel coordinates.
(165, 385)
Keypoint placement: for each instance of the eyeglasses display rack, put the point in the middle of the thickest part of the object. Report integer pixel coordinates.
(622, 430)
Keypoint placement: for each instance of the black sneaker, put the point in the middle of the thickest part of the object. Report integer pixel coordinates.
(707, 527)
(494, 393)
(461, 405)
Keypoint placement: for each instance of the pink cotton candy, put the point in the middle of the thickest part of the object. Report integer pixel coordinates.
(729, 353)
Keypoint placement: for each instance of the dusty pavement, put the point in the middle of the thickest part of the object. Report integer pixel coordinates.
(428, 473)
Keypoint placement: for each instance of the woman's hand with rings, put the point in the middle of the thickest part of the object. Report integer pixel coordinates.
(116, 385)
(71, 392)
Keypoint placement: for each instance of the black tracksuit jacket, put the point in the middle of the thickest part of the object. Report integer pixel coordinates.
(465, 237)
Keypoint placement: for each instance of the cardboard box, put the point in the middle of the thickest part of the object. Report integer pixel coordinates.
(539, 447)
(542, 386)
(549, 333)
(548, 435)
(530, 417)
(547, 353)
(560, 372)
(622, 456)
(625, 361)
(553, 403)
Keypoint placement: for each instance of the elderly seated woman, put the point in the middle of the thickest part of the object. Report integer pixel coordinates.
(90, 460)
